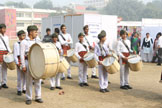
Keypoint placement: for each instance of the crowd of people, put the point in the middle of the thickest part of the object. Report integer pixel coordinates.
(63, 41)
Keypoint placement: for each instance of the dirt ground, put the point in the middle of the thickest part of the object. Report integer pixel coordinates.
(147, 92)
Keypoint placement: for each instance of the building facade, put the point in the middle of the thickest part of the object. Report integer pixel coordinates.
(18, 19)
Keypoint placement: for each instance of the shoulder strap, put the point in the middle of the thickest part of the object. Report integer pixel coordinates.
(62, 37)
(126, 46)
(4, 43)
(87, 41)
(101, 48)
(84, 46)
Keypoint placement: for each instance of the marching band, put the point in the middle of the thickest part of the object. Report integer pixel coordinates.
(63, 41)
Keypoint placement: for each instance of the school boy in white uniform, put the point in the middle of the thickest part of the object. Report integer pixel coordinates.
(81, 49)
(101, 52)
(55, 81)
(91, 44)
(24, 49)
(66, 42)
(124, 50)
(4, 49)
(21, 76)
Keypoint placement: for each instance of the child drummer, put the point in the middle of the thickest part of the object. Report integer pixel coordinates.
(81, 49)
(102, 51)
(21, 80)
(55, 81)
(124, 50)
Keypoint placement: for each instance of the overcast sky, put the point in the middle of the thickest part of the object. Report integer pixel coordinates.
(55, 2)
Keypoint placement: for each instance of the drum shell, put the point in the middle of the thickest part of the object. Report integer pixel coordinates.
(71, 56)
(136, 67)
(114, 68)
(11, 66)
(51, 60)
(92, 63)
(64, 65)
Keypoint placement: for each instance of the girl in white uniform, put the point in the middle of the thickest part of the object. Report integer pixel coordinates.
(21, 76)
(81, 49)
(55, 81)
(102, 51)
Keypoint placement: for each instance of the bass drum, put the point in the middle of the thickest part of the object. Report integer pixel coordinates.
(44, 60)
(135, 63)
(64, 65)
(89, 58)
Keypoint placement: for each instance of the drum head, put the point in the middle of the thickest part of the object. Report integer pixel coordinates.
(36, 61)
(134, 59)
(108, 61)
(70, 52)
(88, 56)
(8, 58)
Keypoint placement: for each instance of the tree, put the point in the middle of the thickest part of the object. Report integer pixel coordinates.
(127, 9)
(17, 4)
(44, 4)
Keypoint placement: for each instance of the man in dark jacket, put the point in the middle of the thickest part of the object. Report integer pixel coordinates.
(47, 38)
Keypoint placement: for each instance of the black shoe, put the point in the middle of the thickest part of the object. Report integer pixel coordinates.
(87, 77)
(39, 100)
(4, 86)
(19, 93)
(124, 88)
(81, 84)
(52, 88)
(60, 88)
(85, 84)
(129, 87)
(109, 82)
(102, 91)
(24, 91)
(106, 90)
(158, 64)
(42, 82)
(63, 78)
(28, 102)
(94, 77)
(69, 78)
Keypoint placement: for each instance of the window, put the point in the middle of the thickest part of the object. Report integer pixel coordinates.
(28, 15)
(20, 24)
(19, 14)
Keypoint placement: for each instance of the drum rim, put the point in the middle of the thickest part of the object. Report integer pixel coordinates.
(108, 58)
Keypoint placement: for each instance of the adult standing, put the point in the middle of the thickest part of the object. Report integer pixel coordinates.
(47, 37)
(159, 50)
(66, 42)
(135, 43)
(147, 47)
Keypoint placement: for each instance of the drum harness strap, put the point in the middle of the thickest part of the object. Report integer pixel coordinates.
(126, 46)
(102, 49)
(62, 37)
(4, 43)
(83, 45)
(88, 42)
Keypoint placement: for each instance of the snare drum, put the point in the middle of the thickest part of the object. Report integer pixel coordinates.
(64, 65)
(135, 62)
(111, 65)
(89, 58)
(9, 60)
(71, 55)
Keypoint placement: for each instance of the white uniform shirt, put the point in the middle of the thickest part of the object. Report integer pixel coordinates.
(25, 47)
(6, 40)
(79, 48)
(58, 45)
(16, 52)
(67, 37)
(101, 52)
(89, 40)
(121, 48)
(160, 42)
